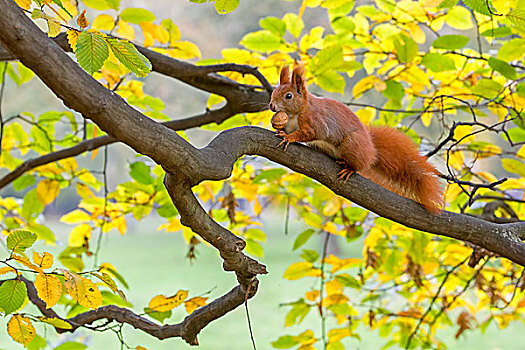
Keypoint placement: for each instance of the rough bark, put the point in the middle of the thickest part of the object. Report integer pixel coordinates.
(186, 166)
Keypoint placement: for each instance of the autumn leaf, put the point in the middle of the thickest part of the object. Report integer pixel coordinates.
(49, 288)
(21, 329)
(163, 303)
(45, 260)
(82, 21)
(194, 303)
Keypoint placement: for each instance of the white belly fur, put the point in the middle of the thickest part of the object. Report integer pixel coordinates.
(320, 145)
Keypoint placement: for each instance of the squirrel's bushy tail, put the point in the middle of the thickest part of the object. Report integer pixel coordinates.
(400, 168)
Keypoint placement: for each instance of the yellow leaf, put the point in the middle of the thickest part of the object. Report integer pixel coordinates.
(337, 334)
(56, 322)
(92, 298)
(339, 264)
(82, 21)
(75, 216)
(459, 17)
(21, 329)
(69, 164)
(47, 190)
(364, 84)
(312, 295)
(456, 159)
(125, 30)
(25, 4)
(149, 30)
(104, 277)
(25, 261)
(452, 192)
(49, 288)
(53, 27)
(45, 260)
(333, 206)
(194, 303)
(335, 299)
(103, 22)
(138, 347)
(330, 227)
(83, 191)
(366, 115)
(75, 285)
(7, 269)
(488, 176)
(162, 303)
(301, 269)
(184, 50)
(80, 235)
(426, 118)
(173, 225)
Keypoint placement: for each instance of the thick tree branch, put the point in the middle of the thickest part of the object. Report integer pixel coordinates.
(210, 116)
(230, 145)
(187, 329)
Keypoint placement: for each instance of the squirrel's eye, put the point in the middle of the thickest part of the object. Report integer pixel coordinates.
(288, 96)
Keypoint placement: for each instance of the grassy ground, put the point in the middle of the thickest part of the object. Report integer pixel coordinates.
(154, 262)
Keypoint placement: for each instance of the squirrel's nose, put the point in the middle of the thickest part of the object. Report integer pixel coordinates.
(272, 107)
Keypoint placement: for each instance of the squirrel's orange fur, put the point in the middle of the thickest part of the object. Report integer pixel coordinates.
(382, 154)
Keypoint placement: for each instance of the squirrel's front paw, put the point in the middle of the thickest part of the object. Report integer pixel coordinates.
(286, 139)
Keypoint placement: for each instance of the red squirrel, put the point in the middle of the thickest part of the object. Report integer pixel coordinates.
(384, 155)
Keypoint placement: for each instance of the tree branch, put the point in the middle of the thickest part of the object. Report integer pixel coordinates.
(187, 329)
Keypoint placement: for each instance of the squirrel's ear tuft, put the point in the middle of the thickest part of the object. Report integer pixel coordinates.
(285, 76)
(298, 79)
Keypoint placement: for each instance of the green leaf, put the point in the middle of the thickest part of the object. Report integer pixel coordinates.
(43, 233)
(394, 90)
(342, 24)
(437, 62)
(130, 57)
(254, 248)
(269, 175)
(487, 88)
(513, 49)
(450, 42)
(302, 238)
(445, 4)
(157, 315)
(406, 48)
(309, 255)
(297, 314)
(294, 24)
(514, 166)
(285, 342)
(327, 59)
(517, 17)
(348, 281)
(498, 32)
(59, 3)
(140, 172)
(92, 51)
(481, 6)
(102, 4)
(262, 40)
(137, 15)
(503, 68)
(19, 241)
(274, 25)
(12, 295)
(331, 82)
(71, 345)
(226, 6)
(31, 207)
(23, 181)
(38, 343)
